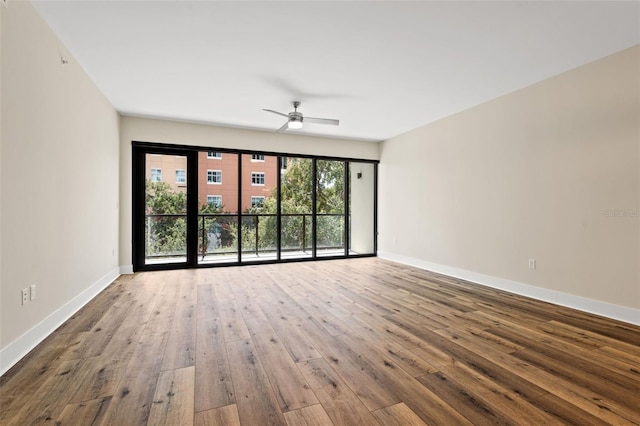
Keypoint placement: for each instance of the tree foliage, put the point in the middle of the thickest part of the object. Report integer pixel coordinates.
(166, 221)
(166, 230)
(296, 207)
(166, 210)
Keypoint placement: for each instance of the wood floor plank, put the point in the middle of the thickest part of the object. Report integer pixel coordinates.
(164, 307)
(233, 325)
(173, 398)
(213, 376)
(98, 378)
(359, 373)
(123, 343)
(398, 415)
(341, 404)
(29, 374)
(87, 413)
(221, 416)
(572, 364)
(97, 307)
(105, 329)
(343, 342)
(255, 399)
(291, 389)
(426, 404)
(509, 403)
(50, 399)
(313, 415)
(181, 341)
(291, 335)
(207, 301)
(565, 412)
(132, 401)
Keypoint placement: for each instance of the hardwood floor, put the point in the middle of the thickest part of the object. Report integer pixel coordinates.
(355, 342)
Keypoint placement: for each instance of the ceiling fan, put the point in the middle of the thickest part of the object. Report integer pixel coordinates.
(295, 118)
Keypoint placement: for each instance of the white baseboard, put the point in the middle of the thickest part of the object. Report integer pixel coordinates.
(126, 269)
(605, 309)
(17, 349)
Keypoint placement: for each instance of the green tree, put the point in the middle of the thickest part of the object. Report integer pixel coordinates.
(166, 222)
(166, 230)
(296, 190)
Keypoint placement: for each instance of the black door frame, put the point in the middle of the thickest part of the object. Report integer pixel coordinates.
(141, 149)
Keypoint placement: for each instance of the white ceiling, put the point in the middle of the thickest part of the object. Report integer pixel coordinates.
(382, 68)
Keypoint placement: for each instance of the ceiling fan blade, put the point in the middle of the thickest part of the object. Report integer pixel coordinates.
(285, 126)
(276, 112)
(330, 121)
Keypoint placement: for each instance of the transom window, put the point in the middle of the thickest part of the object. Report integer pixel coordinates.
(257, 157)
(214, 154)
(257, 178)
(214, 176)
(181, 176)
(214, 200)
(156, 175)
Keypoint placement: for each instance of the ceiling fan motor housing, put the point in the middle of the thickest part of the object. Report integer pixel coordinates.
(295, 116)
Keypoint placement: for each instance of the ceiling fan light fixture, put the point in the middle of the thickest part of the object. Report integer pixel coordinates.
(295, 124)
(295, 118)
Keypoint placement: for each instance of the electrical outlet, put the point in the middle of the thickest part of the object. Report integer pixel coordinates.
(25, 295)
(32, 291)
(532, 264)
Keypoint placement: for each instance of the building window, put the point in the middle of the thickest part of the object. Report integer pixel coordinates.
(257, 201)
(214, 154)
(156, 175)
(257, 157)
(257, 178)
(214, 200)
(214, 176)
(181, 176)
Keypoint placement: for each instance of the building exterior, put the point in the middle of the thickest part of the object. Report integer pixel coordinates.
(218, 177)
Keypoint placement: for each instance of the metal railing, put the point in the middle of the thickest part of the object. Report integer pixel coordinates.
(228, 230)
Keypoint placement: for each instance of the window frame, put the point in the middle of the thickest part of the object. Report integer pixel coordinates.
(260, 204)
(184, 176)
(217, 205)
(261, 176)
(159, 172)
(213, 174)
(141, 149)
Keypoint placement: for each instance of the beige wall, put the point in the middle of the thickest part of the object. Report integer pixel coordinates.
(361, 208)
(164, 131)
(59, 174)
(533, 174)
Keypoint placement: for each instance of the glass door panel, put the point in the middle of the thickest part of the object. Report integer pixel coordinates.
(330, 208)
(296, 189)
(217, 207)
(361, 208)
(165, 209)
(259, 207)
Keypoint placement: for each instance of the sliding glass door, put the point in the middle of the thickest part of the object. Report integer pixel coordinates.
(199, 207)
(165, 209)
(296, 207)
(330, 208)
(217, 207)
(259, 200)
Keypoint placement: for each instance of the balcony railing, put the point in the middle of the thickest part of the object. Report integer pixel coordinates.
(218, 234)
